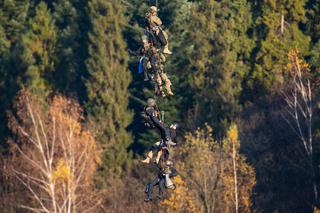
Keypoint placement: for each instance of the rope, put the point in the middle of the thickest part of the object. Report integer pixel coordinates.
(150, 1)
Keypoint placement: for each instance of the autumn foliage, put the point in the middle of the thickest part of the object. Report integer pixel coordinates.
(208, 182)
(53, 158)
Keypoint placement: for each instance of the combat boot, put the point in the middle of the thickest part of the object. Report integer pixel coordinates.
(170, 93)
(149, 157)
(168, 87)
(166, 50)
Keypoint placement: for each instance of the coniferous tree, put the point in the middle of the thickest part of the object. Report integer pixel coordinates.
(313, 24)
(107, 85)
(277, 30)
(213, 59)
(313, 28)
(38, 57)
(13, 17)
(72, 25)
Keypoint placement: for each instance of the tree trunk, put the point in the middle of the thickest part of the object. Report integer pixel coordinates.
(282, 23)
(235, 177)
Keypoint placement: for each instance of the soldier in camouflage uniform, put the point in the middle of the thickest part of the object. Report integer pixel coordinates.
(154, 25)
(145, 53)
(157, 61)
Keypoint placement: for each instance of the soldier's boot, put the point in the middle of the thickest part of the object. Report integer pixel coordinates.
(169, 91)
(166, 50)
(149, 157)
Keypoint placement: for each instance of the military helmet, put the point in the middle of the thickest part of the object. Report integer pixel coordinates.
(153, 9)
(151, 102)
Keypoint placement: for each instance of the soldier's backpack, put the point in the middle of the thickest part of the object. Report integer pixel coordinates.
(147, 120)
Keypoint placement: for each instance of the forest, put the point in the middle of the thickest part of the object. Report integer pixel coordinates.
(246, 81)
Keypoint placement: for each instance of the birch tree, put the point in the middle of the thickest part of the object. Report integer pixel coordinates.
(218, 177)
(53, 156)
(298, 111)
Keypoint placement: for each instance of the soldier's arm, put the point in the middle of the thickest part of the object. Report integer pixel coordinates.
(138, 52)
(156, 20)
(151, 112)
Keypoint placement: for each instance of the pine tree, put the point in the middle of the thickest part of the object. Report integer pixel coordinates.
(277, 31)
(13, 18)
(38, 57)
(313, 29)
(72, 26)
(213, 57)
(107, 85)
(313, 15)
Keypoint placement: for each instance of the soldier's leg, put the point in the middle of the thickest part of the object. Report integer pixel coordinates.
(154, 147)
(149, 188)
(158, 156)
(166, 47)
(145, 69)
(149, 157)
(167, 82)
(162, 187)
(158, 84)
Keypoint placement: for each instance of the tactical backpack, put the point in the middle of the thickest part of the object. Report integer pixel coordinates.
(147, 120)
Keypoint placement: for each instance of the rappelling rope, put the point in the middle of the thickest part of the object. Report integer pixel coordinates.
(151, 1)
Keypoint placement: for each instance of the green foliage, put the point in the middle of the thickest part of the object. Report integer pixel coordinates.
(107, 85)
(140, 90)
(39, 45)
(227, 65)
(313, 24)
(13, 17)
(213, 57)
(72, 26)
(274, 40)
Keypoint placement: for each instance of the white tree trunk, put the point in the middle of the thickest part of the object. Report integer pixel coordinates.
(300, 110)
(235, 177)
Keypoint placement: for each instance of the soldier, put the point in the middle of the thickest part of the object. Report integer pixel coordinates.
(157, 61)
(152, 120)
(154, 25)
(160, 147)
(166, 171)
(145, 53)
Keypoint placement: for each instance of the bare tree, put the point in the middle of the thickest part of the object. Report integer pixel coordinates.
(299, 107)
(235, 175)
(59, 157)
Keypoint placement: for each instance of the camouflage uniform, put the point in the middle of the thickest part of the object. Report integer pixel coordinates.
(145, 53)
(157, 60)
(155, 24)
